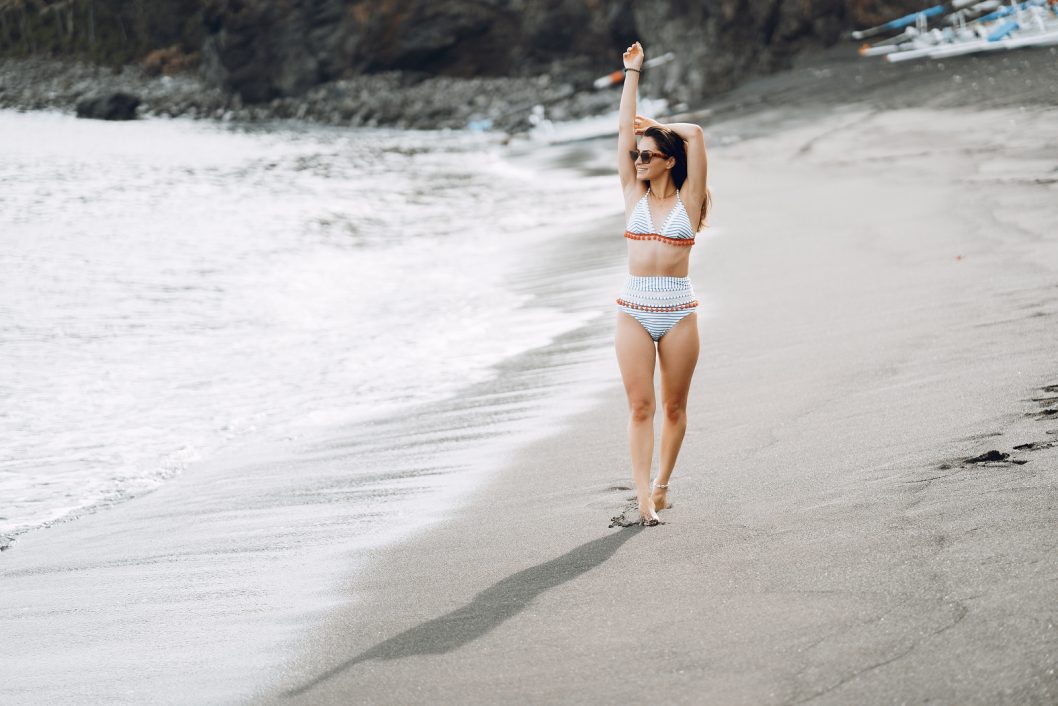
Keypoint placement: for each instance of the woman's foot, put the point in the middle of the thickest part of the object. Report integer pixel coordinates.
(660, 495)
(649, 518)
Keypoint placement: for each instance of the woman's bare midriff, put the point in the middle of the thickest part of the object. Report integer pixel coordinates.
(652, 258)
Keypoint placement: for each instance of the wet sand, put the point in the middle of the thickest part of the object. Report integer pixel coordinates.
(881, 288)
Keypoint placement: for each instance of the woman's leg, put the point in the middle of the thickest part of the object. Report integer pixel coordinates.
(636, 355)
(678, 354)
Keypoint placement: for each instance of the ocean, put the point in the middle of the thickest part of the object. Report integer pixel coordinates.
(172, 289)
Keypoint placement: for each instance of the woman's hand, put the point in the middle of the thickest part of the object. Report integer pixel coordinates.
(642, 122)
(633, 57)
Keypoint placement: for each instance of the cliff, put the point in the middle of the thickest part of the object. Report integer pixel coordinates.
(267, 49)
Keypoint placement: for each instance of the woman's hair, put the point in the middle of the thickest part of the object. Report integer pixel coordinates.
(674, 146)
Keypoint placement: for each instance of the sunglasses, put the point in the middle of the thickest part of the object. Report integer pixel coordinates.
(646, 155)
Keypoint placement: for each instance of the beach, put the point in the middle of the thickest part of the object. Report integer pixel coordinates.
(880, 292)
(888, 315)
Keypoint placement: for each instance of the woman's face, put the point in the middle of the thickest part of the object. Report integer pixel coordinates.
(658, 164)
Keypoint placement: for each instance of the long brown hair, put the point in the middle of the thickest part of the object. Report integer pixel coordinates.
(672, 145)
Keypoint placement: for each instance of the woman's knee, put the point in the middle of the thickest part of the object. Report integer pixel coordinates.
(676, 412)
(641, 410)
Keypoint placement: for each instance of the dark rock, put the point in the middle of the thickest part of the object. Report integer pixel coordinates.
(109, 106)
(262, 49)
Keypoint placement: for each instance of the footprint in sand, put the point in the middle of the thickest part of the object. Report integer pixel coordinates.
(992, 456)
(995, 458)
(628, 517)
(979, 437)
(1036, 445)
(607, 501)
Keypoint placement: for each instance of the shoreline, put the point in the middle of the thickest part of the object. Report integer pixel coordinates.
(832, 76)
(265, 529)
(392, 99)
(457, 327)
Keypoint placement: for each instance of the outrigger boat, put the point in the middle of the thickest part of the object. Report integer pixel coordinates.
(916, 25)
(1029, 23)
(921, 18)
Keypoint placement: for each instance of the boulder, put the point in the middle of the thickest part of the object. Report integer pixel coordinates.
(116, 105)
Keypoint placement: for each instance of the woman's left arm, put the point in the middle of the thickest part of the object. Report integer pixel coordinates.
(697, 163)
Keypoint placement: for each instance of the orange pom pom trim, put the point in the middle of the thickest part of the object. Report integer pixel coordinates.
(682, 242)
(642, 307)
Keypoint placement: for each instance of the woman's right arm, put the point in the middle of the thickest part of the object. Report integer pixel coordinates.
(626, 136)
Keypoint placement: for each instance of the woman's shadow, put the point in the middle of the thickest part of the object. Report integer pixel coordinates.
(487, 610)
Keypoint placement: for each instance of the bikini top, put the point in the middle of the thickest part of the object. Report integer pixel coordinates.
(676, 230)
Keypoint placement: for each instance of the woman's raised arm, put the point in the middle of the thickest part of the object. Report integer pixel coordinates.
(626, 137)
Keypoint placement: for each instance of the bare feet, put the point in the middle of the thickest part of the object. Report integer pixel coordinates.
(649, 518)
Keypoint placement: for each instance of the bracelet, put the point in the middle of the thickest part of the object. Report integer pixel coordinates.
(636, 70)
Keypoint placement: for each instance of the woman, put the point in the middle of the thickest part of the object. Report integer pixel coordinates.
(664, 183)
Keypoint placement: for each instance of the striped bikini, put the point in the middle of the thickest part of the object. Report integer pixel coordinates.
(658, 302)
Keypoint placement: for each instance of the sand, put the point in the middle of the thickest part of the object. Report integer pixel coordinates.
(883, 294)
(880, 292)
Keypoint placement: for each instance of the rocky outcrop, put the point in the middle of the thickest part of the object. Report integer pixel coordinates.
(263, 49)
(269, 50)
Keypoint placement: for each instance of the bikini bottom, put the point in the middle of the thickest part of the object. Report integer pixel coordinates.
(658, 302)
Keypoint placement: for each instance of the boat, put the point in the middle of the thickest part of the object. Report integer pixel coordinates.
(978, 27)
(914, 18)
